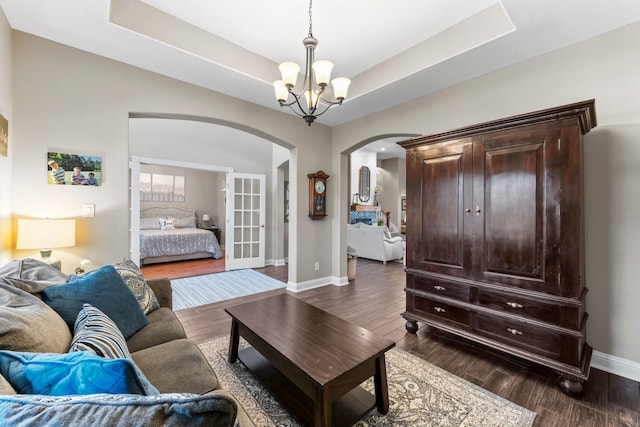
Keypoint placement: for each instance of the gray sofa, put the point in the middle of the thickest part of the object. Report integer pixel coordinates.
(173, 364)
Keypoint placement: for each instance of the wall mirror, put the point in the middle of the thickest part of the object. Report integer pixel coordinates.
(364, 184)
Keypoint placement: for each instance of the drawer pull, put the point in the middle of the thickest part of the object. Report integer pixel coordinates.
(514, 304)
(439, 288)
(513, 331)
(439, 309)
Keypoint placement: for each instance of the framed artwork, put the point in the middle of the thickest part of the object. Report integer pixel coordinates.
(157, 187)
(74, 169)
(403, 202)
(4, 136)
(286, 201)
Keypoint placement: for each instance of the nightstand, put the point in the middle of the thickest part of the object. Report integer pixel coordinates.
(216, 231)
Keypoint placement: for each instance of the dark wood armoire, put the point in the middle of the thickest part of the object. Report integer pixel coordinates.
(495, 237)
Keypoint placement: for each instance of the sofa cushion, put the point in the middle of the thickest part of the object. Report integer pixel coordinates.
(28, 324)
(5, 386)
(71, 373)
(118, 410)
(163, 326)
(132, 276)
(96, 333)
(31, 275)
(177, 366)
(104, 289)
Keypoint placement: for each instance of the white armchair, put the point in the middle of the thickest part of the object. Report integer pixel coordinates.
(374, 242)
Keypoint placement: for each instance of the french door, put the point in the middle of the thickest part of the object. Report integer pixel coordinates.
(244, 245)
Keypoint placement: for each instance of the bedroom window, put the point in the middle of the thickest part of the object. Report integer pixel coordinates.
(156, 187)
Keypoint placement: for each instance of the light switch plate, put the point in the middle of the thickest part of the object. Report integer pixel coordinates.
(88, 210)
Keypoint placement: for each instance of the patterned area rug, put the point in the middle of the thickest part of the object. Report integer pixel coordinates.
(209, 288)
(420, 394)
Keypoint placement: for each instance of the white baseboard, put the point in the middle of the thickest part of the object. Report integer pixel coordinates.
(317, 283)
(309, 284)
(616, 365)
(276, 262)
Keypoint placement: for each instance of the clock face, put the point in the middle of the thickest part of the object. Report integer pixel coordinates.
(319, 187)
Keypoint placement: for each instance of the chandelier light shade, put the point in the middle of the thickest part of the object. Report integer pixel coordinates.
(317, 76)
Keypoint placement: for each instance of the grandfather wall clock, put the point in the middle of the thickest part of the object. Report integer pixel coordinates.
(317, 195)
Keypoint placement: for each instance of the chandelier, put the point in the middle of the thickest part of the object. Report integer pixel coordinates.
(314, 103)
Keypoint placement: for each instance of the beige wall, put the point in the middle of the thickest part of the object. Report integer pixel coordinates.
(69, 99)
(605, 68)
(66, 98)
(6, 100)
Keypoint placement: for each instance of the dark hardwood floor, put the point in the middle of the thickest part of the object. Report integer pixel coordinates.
(375, 300)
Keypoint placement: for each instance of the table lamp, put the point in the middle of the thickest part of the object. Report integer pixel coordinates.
(206, 220)
(46, 234)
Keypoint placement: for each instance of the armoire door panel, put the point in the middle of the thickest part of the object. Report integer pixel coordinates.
(513, 206)
(442, 199)
(442, 202)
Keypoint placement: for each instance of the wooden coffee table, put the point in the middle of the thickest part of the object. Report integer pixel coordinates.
(311, 360)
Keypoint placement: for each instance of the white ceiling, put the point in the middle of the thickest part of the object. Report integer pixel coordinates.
(392, 51)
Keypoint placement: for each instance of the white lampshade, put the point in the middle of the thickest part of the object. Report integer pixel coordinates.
(322, 71)
(206, 217)
(340, 87)
(281, 90)
(289, 72)
(46, 234)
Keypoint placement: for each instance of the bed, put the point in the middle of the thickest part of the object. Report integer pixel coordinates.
(171, 234)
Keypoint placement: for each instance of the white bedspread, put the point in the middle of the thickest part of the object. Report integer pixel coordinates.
(180, 241)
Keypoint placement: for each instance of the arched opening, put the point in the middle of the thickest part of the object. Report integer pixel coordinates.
(206, 149)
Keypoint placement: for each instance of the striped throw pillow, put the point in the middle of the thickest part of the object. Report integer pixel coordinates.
(96, 333)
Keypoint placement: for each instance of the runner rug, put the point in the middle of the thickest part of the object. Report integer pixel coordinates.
(420, 394)
(209, 288)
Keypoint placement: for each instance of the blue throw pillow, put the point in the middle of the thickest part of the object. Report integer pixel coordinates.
(104, 289)
(70, 373)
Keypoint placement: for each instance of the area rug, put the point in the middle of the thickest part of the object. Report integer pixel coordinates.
(209, 288)
(420, 394)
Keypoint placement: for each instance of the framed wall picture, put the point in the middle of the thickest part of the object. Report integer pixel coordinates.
(4, 136)
(74, 169)
(403, 203)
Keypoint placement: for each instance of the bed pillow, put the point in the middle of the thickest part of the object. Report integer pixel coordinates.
(104, 289)
(186, 222)
(150, 223)
(56, 374)
(176, 409)
(167, 224)
(132, 276)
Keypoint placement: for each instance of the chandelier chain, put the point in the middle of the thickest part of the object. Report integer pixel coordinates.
(310, 20)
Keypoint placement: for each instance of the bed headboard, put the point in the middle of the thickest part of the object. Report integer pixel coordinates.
(167, 212)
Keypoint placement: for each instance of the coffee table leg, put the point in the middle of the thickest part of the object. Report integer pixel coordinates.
(234, 341)
(322, 410)
(382, 389)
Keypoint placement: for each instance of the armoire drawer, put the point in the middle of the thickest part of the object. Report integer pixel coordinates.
(442, 288)
(519, 334)
(439, 310)
(514, 304)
